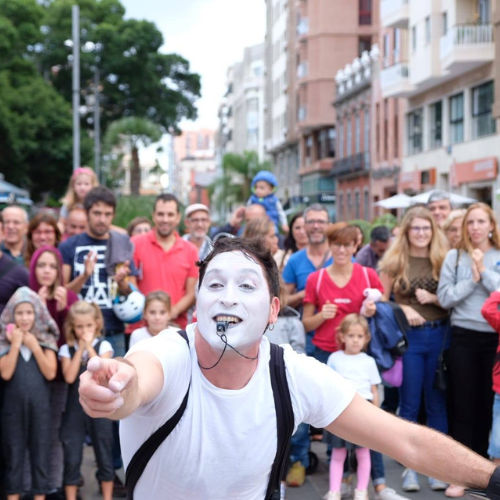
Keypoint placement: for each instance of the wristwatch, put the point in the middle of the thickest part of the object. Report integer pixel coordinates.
(493, 489)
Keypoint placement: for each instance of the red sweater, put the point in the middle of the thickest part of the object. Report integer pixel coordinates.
(491, 313)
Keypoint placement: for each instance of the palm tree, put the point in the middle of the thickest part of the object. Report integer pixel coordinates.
(234, 185)
(135, 132)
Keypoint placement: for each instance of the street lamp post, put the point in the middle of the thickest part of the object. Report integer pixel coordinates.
(76, 85)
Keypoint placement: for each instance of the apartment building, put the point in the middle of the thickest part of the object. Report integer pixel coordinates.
(442, 62)
(194, 160)
(307, 42)
(281, 139)
(352, 168)
(241, 114)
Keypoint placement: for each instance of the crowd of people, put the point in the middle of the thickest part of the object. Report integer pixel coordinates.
(76, 287)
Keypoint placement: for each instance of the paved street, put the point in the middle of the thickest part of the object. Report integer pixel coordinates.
(314, 488)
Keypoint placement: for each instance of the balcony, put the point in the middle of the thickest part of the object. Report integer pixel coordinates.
(394, 13)
(323, 165)
(466, 46)
(395, 81)
(358, 163)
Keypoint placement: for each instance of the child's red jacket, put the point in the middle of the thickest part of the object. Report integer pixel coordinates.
(491, 312)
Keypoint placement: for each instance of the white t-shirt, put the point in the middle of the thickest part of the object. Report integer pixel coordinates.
(103, 349)
(143, 333)
(360, 369)
(225, 443)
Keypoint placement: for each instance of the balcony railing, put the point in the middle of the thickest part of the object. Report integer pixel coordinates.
(465, 35)
(351, 164)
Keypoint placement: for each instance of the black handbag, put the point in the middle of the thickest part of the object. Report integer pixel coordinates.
(441, 373)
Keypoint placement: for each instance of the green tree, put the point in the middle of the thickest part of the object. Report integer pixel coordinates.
(136, 79)
(35, 121)
(234, 185)
(133, 132)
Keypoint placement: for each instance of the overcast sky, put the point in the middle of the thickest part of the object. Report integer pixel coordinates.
(210, 34)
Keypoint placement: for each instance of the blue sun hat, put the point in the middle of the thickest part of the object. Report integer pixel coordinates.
(265, 175)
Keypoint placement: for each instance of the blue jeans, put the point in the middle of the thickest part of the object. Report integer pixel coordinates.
(299, 446)
(419, 366)
(321, 355)
(117, 341)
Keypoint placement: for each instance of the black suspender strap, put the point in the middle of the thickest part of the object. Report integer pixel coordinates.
(284, 420)
(143, 455)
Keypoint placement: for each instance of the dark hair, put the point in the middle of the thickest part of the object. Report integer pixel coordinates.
(165, 197)
(135, 222)
(40, 217)
(380, 233)
(290, 243)
(99, 194)
(255, 251)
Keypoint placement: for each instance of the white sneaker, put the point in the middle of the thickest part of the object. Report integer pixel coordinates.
(389, 494)
(360, 495)
(332, 495)
(410, 480)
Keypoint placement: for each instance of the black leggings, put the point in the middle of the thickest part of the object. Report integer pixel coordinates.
(470, 363)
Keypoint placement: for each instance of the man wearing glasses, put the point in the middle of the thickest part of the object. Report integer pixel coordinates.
(314, 256)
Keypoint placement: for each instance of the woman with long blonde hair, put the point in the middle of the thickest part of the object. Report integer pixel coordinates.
(410, 271)
(468, 276)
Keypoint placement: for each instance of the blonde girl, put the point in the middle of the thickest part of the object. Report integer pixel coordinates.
(83, 328)
(156, 315)
(82, 181)
(410, 270)
(355, 365)
(28, 346)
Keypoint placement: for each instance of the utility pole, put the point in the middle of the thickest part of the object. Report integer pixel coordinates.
(76, 86)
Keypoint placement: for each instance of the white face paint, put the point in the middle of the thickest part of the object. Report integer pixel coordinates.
(234, 289)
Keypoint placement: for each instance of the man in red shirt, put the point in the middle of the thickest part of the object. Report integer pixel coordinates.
(165, 261)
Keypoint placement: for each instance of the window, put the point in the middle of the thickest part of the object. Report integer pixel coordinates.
(444, 19)
(483, 122)
(332, 139)
(366, 204)
(349, 205)
(340, 207)
(396, 130)
(364, 44)
(386, 129)
(356, 204)
(457, 118)
(397, 45)
(366, 146)
(309, 144)
(436, 112)
(357, 134)
(341, 138)
(415, 131)
(427, 30)
(348, 149)
(365, 12)
(387, 50)
(484, 11)
(414, 38)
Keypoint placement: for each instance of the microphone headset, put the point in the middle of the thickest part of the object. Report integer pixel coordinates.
(220, 329)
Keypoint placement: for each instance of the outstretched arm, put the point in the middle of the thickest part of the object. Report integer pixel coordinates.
(420, 448)
(115, 388)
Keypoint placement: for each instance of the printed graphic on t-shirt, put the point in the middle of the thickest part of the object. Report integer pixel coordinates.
(97, 287)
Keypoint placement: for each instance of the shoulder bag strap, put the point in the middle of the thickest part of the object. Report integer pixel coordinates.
(143, 455)
(284, 420)
(367, 278)
(320, 278)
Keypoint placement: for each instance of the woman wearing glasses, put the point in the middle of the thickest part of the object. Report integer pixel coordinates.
(410, 271)
(336, 291)
(469, 274)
